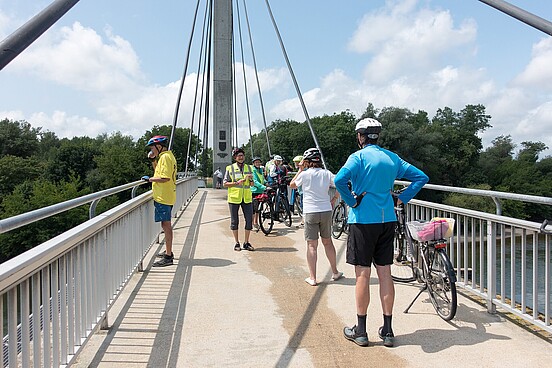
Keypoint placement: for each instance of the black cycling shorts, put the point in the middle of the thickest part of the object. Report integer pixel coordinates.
(369, 243)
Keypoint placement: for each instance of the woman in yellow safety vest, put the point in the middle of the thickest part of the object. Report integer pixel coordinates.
(238, 179)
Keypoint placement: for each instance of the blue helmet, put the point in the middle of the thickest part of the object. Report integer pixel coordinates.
(158, 139)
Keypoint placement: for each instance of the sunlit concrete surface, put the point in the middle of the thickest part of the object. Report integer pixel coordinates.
(220, 308)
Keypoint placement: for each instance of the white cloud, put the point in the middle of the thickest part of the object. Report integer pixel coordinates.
(538, 73)
(79, 57)
(416, 57)
(403, 39)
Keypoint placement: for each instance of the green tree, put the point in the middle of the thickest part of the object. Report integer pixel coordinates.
(18, 138)
(74, 157)
(494, 161)
(15, 170)
(29, 196)
(460, 145)
(119, 162)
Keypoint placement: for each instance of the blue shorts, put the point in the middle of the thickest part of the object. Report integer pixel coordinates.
(162, 212)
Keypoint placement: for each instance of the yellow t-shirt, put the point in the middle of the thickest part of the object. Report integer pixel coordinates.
(165, 193)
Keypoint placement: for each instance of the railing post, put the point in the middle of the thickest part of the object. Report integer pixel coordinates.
(491, 266)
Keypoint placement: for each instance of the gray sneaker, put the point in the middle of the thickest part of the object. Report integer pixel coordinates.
(388, 338)
(165, 261)
(351, 334)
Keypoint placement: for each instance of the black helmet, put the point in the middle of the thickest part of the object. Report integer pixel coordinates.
(370, 127)
(312, 155)
(237, 150)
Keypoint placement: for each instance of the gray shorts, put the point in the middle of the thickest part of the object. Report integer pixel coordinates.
(318, 223)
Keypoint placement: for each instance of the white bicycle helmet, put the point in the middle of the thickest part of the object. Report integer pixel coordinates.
(312, 155)
(370, 127)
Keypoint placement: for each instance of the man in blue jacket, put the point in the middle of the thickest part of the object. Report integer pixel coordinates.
(372, 171)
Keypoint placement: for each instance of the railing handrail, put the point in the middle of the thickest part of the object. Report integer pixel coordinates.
(486, 193)
(510, 221)
(26, 218)
(14, 269)
(23, 219)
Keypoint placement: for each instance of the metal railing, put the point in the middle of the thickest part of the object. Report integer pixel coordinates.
(71, 281)
(504, 260)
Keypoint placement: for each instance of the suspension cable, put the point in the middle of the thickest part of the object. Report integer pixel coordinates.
(234, 98)
(207, 94)
(299, 95)
(244, 78)
(179, 98)
(257, 78)
(200, 59)
(204, 78)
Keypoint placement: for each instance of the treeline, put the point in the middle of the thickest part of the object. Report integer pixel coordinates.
(447, 147)
(38, 169)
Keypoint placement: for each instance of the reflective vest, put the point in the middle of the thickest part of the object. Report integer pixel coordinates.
(239, 193)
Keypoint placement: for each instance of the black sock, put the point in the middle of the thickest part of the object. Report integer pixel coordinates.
(361, 324)
(387, 325)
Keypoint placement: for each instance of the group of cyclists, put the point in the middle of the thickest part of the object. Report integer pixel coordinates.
(365, 183)
(274, 174)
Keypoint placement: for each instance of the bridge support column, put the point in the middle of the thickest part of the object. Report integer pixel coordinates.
(222, 84)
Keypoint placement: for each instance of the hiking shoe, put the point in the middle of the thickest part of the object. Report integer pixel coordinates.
(248, 246)
(165, 261)
(351, 334)
(388, 338)
(237, 247)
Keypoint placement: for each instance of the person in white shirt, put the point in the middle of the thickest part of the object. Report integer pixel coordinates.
(317, 211)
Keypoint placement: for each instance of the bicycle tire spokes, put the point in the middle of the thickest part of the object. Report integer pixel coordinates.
(402, 269)
(440, 285)
(266, 220)
(339, 220)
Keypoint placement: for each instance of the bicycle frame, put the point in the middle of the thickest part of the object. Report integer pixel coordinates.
(433, 268)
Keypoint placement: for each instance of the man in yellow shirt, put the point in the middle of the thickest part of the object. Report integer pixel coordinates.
(164, 191)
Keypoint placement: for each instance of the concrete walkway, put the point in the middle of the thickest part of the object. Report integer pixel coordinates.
(220, 308)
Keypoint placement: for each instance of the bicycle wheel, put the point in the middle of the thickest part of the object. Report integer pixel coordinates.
(285, 213)
(441, 284)
(265, 217)
(338, 221)
(402, 269)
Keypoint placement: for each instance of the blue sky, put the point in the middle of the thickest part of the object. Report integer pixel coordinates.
(116, 65)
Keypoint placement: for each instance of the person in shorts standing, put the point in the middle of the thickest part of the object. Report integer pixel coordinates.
(218, 177)
(317, 211)
(164, 191)
(372, 171)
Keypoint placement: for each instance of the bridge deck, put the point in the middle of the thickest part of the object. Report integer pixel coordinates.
(217, 307)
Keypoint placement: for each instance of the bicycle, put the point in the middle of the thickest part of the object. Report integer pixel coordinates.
(339, 220)
(402, 269)
(296, 202)
(282, 210)
(431, 264)
(267, 214)
(340, 216)
(266, 211)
